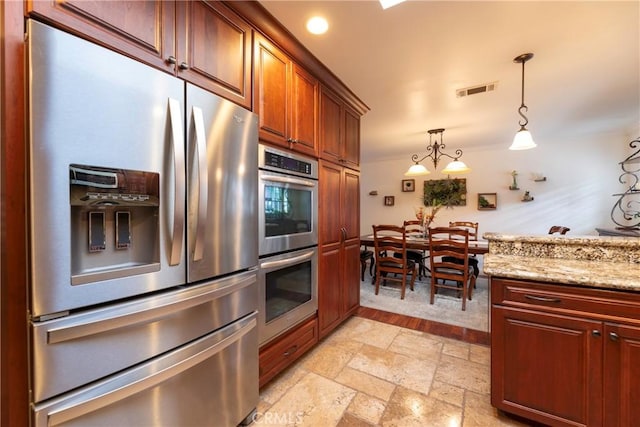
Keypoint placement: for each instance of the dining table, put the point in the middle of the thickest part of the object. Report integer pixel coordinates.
(476, 247)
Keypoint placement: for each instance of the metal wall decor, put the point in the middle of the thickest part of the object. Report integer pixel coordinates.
(626, 211)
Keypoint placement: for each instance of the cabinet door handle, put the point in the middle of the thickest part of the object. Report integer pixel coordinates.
(183, 66)
(291, 350)
(542, 299)
(172, 60)
(595, 333)
(613, 336)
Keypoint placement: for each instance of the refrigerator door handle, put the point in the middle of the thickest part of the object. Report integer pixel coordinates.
(175, 254)
(147, 311)
(148, 376)
(203, 174)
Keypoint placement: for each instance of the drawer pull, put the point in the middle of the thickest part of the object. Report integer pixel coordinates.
(595, 333)
(291, 350)
(542, 299)
(613, 336)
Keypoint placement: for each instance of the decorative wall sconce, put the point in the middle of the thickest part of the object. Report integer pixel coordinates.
(523, 139)
(434, 151)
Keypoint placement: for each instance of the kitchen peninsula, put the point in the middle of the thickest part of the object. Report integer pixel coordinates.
(565, 327)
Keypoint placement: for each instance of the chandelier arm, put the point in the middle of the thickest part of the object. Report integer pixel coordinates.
(435, 150)
(415, 158)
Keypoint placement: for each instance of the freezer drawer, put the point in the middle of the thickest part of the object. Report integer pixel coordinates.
(212, 381)
(76, 350)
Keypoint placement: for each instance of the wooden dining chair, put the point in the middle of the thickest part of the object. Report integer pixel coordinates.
(445, 245)
(390, 250)
(366, 255)
(558, 229)
(472, 228)
(416, 229)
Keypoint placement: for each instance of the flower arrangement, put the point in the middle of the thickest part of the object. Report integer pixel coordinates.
(427, 213)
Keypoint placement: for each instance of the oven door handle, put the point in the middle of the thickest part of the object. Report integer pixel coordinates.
(288, 180)
(203, 180)
(288, 261)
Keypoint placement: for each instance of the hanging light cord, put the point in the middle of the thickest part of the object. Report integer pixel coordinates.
(522, 106)
(522, 59)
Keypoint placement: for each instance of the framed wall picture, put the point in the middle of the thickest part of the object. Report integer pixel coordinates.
(389, 200)
(408, 185)
(487, 201)
(448, 192)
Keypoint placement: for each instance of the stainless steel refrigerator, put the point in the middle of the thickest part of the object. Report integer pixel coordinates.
(143, 243)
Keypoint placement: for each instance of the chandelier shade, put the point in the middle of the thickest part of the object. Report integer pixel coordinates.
(435, 152)
(417, 170)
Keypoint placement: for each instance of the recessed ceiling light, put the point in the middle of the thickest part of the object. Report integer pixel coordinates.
(317, 25)
(386, 4)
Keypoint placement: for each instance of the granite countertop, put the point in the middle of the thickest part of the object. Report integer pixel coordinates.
(595, 261)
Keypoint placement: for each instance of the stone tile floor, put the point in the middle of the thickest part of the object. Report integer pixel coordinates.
(369, 373)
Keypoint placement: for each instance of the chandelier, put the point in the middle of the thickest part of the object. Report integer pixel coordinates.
(523, 139)
(434, 151)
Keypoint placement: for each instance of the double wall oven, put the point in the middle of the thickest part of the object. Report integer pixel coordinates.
(288, 239)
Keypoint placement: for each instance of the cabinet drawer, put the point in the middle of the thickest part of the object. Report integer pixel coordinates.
(281, 353)
(598, 303)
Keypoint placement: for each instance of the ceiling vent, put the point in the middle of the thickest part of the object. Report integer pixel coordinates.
(487, 87)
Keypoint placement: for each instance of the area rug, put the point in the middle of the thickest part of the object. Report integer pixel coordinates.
(447, 307)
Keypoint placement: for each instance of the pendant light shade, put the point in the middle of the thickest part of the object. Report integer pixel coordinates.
(523, 139)
(417, 170)
(456, 166)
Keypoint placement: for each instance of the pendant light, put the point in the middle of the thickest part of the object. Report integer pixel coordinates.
(523, 139)
(434, 151)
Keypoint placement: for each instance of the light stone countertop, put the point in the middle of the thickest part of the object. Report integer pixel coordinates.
(605, 262)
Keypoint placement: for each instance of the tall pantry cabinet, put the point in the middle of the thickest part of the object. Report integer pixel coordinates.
(339, 212)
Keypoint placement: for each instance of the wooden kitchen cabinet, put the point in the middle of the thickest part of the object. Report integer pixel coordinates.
(564, 355)
(285, 99)
(622, 374)
(280, 353)
(339, 245)
(339, 130)
(203, 42)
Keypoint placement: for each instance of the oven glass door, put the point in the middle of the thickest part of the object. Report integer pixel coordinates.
(288, 291)
(288, 218)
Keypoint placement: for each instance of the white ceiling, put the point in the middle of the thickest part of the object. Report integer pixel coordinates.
(406, 63)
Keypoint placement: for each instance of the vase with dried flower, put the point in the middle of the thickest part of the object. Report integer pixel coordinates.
(427, 214)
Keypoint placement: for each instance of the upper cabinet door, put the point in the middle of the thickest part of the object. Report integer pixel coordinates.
(271, 91)
(339, 130)
(141, 29)
(304, 111)
(330, 126)
(351, 153)
(286, 99)
(214, 49)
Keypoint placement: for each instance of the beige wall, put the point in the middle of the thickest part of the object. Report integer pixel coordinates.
(582, 175)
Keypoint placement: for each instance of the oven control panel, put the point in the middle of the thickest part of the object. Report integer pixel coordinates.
(286, 162)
